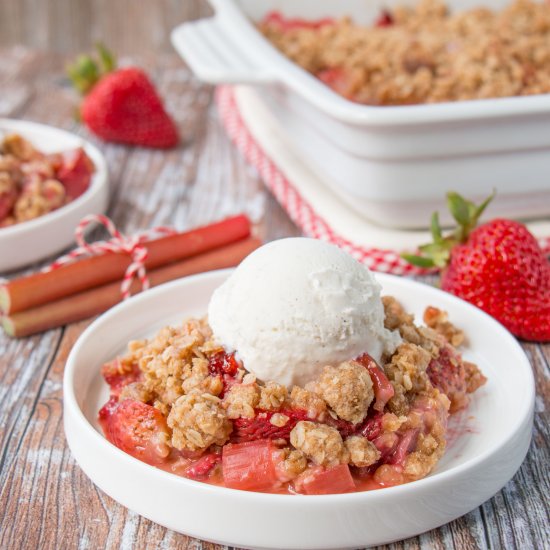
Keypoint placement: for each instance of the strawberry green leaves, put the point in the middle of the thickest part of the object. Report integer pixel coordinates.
(465, 213)
(438, 252)
(85, 72)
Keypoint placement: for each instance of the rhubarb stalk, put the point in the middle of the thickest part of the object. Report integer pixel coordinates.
(97, 300)
(41, 288)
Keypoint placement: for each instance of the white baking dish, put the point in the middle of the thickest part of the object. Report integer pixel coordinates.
(392, 164)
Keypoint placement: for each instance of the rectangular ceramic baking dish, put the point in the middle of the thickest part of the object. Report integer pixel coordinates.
(392, 164)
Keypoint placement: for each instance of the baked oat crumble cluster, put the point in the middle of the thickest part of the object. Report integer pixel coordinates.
(33, 183)
(424, 54)
(358, 426)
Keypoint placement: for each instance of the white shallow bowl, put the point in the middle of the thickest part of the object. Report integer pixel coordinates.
(392, 164)
(37, 239)
(489, 440)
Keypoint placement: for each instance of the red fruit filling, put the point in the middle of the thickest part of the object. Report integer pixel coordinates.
(283, 23)
(406, 444)
(321, 481)
(223, 363)
(7, 200)
(385, 19)
(138, 429)
(118, 375)
(203, 466)
(371, 428)
(447, 373)
(260, 427)
(207, 443)
(250, 466)
(338, 80)
(75, 172)
(383, 390)
(107, 411)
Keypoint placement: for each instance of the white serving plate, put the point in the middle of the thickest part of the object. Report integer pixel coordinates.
(392, 164)
(489, 443)
(37, 239)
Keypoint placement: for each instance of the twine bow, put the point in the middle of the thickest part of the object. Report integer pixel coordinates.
(134, 246)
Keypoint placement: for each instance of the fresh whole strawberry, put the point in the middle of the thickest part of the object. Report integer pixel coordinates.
(122, 105)
(497, 266)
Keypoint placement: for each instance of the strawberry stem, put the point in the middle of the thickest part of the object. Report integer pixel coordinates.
(106, 58)
(466, 213)
(418, 261)
(438, 253)
(85, 72)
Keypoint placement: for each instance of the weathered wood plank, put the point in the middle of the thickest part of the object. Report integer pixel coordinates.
(72, 26)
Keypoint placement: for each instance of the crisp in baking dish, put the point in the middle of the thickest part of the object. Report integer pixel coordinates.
(392, 164)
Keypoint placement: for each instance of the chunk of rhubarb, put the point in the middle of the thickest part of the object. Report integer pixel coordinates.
(405, 446)
(249, 466)
(329, 481)
(383, 390)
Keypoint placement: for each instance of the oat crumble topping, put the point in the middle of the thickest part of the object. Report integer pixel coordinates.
(352, 380)
(320, 443)
(362, 452)
(331, 423)
(33, 183)
(425, 54)
(198, 421)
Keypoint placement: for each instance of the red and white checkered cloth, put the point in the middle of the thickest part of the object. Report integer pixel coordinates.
(299, 210)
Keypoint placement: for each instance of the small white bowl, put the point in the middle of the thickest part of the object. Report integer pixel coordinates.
(489, 441)
(37, 239)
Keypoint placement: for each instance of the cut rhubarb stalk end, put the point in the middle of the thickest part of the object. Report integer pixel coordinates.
(8, 326)
(328, 481)
(383, 389)
(249, 466)
(4, 300)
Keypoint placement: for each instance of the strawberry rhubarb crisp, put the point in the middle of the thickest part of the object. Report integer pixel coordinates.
(424, 54)
(303, 380)
(33, 183)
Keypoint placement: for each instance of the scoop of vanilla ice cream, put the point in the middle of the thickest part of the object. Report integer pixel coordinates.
(296, 305)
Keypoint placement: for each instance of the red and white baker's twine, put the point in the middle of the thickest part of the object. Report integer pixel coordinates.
(299, 210)
(134, 246)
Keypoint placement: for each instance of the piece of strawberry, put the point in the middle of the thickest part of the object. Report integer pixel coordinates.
(447, 373)
(226, 366)
(203, 466)
(137, 428)
(118, 375)
(8, 197)
(260, 427)
(385, 19)
(340, 80)
(122, 105)
(75, 172)
(498, 266)
(284, 24)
